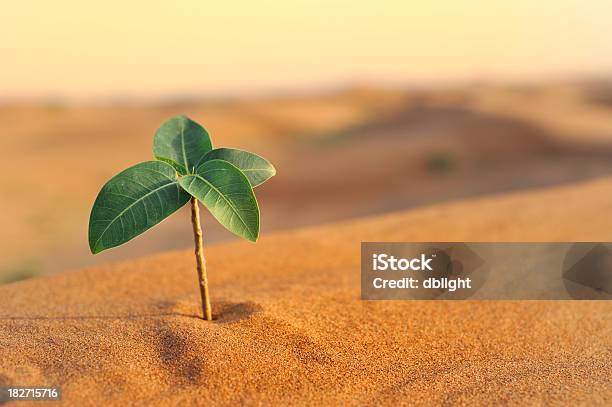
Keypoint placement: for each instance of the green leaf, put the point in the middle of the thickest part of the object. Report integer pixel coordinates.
(257, 169)
(133, 201)
(227, 194)
(182, 143)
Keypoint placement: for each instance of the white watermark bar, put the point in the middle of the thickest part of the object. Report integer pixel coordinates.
(487, 271)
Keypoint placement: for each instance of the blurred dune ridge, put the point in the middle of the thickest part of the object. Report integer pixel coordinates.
(345, 154)
(290, 328)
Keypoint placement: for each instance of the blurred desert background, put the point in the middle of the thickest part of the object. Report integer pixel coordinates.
(340, 155)
(363, 108)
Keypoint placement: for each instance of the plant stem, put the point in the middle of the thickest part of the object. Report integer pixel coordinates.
(200, 261)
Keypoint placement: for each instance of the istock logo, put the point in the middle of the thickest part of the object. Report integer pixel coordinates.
(382, 262)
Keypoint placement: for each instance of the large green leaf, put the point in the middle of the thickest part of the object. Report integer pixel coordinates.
(257, 169)
(133, 201)
(227, 194)
(182, 143)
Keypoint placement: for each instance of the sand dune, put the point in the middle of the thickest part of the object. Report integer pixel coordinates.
(291, 329)
(447, 143)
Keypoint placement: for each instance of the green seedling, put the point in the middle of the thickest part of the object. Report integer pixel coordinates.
(187, 168)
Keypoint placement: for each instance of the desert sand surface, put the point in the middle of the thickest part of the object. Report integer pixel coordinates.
(340, 155)
(291, 329)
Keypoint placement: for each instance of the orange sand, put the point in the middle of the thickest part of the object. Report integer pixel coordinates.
(291, 329)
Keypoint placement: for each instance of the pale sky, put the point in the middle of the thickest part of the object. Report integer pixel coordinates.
(80, 49)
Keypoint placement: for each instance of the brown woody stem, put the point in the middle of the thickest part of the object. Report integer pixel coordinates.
(200, 261)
